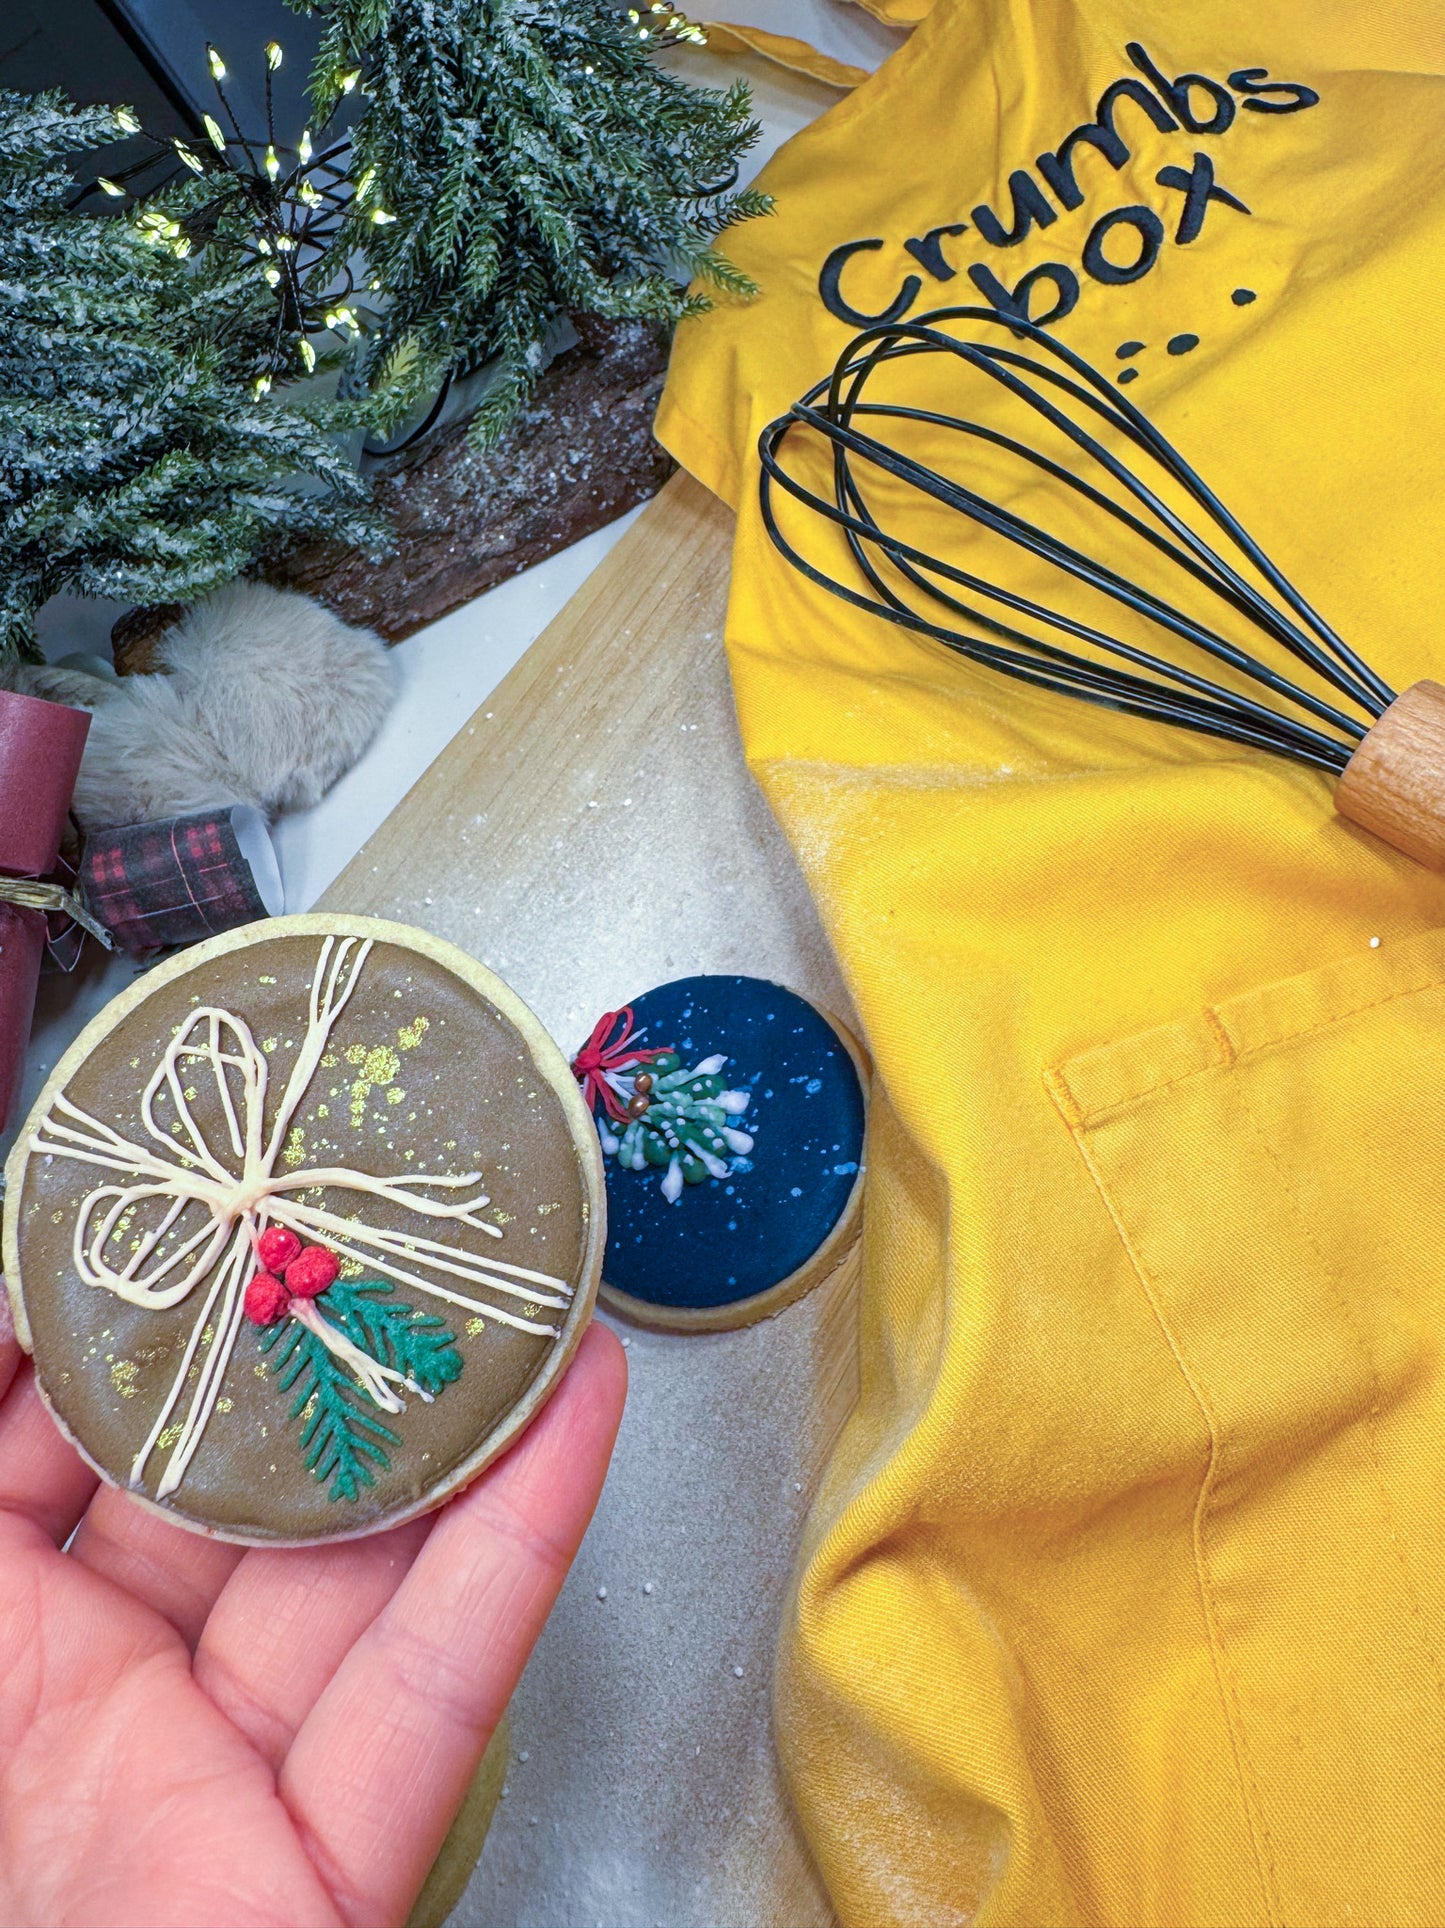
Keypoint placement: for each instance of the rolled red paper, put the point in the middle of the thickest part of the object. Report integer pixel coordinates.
(40, 750)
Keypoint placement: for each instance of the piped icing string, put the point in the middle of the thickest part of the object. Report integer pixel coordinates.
(607, 1053)
(242, 1194)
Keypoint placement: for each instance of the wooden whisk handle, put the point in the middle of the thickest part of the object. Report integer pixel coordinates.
(1394, 784)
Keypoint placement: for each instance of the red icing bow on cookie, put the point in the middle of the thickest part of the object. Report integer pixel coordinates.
(289, 1270)
(604, 1053)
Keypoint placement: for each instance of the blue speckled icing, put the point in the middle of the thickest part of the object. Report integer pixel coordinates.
(730, 1238)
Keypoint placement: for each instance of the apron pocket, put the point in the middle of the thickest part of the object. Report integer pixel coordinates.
(1273, 1167)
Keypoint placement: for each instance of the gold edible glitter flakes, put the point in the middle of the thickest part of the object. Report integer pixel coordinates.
(378, 1065)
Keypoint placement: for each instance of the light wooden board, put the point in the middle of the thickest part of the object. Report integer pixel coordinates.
(590, 832)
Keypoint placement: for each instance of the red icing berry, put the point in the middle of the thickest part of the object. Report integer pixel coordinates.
(308, 1275)
(266, 1299)
(276, 1248)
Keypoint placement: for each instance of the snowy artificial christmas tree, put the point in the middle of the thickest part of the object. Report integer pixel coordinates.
(518, 161)
(142, 455)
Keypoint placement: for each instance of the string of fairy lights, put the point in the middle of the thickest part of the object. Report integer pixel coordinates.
(281, 208)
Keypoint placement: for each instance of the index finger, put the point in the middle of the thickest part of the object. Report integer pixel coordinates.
(379, 1768)
(9, 1344)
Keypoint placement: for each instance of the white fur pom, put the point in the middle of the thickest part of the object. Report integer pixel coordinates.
(261, 697)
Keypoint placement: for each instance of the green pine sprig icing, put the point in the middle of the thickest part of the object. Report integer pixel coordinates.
(342, 1439)
(416, 1343)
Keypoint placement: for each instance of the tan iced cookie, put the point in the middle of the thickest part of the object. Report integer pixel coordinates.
(303, 1229)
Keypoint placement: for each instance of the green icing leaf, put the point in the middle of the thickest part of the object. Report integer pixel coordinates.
(396, 1334)
(341, 1434)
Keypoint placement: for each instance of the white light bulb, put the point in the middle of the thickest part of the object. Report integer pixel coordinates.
(273, 54)
(218, 66)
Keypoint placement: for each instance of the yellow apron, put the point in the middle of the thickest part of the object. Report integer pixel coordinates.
(1124, 1600)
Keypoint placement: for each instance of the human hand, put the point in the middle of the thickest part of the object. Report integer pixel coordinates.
(200, 1735)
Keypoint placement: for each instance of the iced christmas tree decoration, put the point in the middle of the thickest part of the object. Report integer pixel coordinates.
(750, 1120)
(655, 1112)
(303, 1229)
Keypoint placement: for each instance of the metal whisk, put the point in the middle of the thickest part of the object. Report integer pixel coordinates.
(887, 499)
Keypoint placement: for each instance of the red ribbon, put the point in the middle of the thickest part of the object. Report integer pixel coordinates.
(603, 1052)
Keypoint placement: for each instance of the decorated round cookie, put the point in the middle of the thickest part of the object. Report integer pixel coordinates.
(730, 1112)
(304, 1229)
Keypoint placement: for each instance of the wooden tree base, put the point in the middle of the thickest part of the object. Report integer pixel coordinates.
(578, 456)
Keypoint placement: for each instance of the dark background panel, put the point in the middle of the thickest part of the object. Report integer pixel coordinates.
(151, 55)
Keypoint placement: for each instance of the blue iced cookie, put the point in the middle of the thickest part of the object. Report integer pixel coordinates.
(731, 1115)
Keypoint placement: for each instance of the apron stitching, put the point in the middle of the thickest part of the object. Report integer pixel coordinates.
(1056, 1080)
(1432, 983)
(1260, 1840)
(1228, 1050)
(1372, 1428)
(1079, 1119)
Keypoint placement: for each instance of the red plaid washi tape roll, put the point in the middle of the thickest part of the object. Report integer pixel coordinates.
(156, 885)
